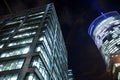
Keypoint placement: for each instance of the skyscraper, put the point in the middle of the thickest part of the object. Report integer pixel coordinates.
(70, 74)
(105, 31)
(32, 46)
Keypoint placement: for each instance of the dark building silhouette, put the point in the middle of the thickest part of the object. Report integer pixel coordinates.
(105, 31)
(32, 46)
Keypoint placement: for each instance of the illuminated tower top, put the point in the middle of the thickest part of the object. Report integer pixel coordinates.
(105, 31)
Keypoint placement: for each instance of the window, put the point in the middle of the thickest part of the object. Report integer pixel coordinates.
(22, 41)
(1, 45)
(26, 34)
(42, 51)
(13, 52)
(34, 14)
(32, 76)
(45, 42)
(30, 22)
(9, 77)
(10, 65)
(8, 31)
(19, 18)
(35, 17)
(118, 75)
(36, 62)
(28, 27)
(4, 38)
(13, 22)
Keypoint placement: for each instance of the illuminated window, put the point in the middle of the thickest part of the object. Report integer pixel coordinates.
(28, 27)
(32, 22)
(1, 45)
(36, 17)
(13, 52)
(26, 34)
(36, 62)
(9, 77)
(118, 75)
(39, 13)
(4, 38)
(19, 18)
(13, 22)
(55, 76)
(23, 41)
(45, 42)
(7, 31)
(32, 76)
(10, 65)
(42, 51)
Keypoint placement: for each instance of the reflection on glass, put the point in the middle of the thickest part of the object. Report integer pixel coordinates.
(9, 77)
(7, 31)
(10, 65)
(38, 63)
(43, 38)
(41, 49)
(32, 76)
(1, 45)
(39, 13)
(13, 52)
(28, 27)
(23, 41)
(36, 17)
(13, 22)
(118, 75)
(32, 22)
(4, 38)
(24, 34)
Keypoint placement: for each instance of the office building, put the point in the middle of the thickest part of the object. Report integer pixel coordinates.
(70, 74)
(105, 31)
(32, 46)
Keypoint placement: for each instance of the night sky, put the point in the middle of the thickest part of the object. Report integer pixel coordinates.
(75, 16)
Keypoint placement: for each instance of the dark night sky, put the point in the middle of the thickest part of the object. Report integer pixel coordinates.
(75, 17)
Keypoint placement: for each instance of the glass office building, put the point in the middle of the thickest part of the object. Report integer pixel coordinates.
(105, 31)
(70, 74)
(32, 46)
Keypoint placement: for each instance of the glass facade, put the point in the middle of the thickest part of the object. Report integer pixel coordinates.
(32, 46)
(9, 77)
(105, 31)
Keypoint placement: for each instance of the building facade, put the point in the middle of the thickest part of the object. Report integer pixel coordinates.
(105, 31)
(32, 46)
(70, 74)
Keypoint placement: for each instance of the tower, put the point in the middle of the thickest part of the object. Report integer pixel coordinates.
(105, 31)
(32, 46)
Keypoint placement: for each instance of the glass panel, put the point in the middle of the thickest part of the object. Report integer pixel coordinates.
(19, 18)
(13, 22)
(7, 31)
(32, 76)
(10, 65)
(4, 38)
(9, 77)
(43, 38)
(42, 51)
(1, 45)
(34, 14)
(35, 17)
(118, 75)
(38, 63)
(23, 41)
(13, 52)
(26, 34)
(28, 27)
(32, 22)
